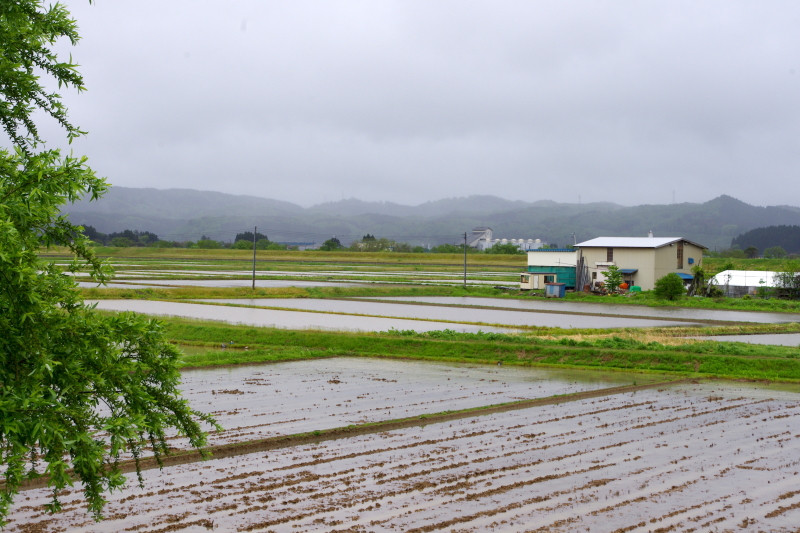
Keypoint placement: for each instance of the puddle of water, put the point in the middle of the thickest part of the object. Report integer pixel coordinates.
(510, 318)
(607, 309)
(691, 458)
(780, 339)
(284, 319)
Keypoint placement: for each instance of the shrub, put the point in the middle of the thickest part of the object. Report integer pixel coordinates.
(613, 279)
(209, 244)
(670, 287)
(508, 249)
(715, 292)
(331, 244)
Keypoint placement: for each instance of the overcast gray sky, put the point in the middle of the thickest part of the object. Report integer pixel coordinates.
(412, 101)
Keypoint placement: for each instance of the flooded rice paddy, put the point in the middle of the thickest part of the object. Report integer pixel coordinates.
(418, 274)
(285, 319)
(684, 458)
(458, 314)
(260, 283)
(541, 304)
(287, 398)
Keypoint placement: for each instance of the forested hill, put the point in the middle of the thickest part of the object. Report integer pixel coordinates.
(787, 237)
(184, 214)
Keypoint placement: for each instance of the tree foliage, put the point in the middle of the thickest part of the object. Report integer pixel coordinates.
(787, 280)
(248, 236)
(751, 252)
(783, 236)
(669, 287)
(774, 252)
(698, 287)
(331, 245)
(613, 279)
(508, 249)
(77, 388)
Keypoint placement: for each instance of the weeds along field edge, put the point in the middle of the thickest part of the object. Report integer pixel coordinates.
(703, 358)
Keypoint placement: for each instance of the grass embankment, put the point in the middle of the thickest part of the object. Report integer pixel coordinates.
(705, 359)
(189, 293)
(714, 264)
(309, 255)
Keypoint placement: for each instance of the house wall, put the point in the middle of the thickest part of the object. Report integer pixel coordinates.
(652, 263)
(642, 259)
(553, 259)
(667, 259)
(561, 274)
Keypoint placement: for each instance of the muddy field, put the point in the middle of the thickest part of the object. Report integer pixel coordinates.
(286, 398)
(705, 457)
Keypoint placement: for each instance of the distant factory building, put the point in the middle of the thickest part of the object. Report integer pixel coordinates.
(482, 239)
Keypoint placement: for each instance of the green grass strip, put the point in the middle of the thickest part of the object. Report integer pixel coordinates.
(272, 345)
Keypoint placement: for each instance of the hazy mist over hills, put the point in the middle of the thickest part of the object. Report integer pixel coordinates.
(186, 214)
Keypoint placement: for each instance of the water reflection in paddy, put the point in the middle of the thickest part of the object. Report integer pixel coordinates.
(284, 319)
(606, 309)
(286, 398)
(460, 314)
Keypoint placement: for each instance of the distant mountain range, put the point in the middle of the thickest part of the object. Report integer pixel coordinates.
(186, 214)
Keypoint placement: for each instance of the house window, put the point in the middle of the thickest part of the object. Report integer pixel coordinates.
(609, 255)
(594, 276)
(549, 279)
(680, 255)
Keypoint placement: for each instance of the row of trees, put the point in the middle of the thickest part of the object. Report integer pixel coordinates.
(122, 239)
(244, 241)
(134, 238)
(787, 238)
(751, 252)
(369, 243)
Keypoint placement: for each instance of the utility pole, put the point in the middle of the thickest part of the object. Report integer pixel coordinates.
(465, 259)
(255, 232)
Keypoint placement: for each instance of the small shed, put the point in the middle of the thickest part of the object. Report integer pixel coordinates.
(547, 265)
(555, 290)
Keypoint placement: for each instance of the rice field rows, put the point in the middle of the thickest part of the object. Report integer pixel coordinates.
(286, 398)
(718, 457)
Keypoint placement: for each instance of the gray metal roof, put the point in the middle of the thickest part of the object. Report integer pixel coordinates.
(632, 242)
